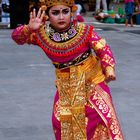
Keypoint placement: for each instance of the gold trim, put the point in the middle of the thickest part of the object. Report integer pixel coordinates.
(110, 71)
(101, 133)
(50, 3)
(103, 105)
(64, 45)
(100, 44)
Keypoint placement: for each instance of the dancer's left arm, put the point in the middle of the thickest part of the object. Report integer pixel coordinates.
(105, 54)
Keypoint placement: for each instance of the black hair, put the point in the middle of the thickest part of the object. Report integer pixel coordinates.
(47, 11)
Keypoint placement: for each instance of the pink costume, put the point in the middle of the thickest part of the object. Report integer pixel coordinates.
(83, 108)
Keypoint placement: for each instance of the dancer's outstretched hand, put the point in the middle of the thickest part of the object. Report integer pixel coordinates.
(36, 19)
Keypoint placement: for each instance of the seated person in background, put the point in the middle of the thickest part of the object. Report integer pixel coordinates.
(100, 15)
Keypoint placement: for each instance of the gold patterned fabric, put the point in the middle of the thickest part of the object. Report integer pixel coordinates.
(100, 45)
(102, 102)
(73, 97)
(101, 133)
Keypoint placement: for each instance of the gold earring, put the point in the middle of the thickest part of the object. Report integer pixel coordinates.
(48, 26)
(74, 19)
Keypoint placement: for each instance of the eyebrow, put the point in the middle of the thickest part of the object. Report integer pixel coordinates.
(60, 9)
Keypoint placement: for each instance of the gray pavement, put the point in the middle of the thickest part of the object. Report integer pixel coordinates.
(27, 85)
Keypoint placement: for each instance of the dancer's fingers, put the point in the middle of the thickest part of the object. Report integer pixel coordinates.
(31, 15)
(39, 13)
(42, 15)
(34, 13)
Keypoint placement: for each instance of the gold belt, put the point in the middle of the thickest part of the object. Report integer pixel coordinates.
(91, 67)
(76, 61)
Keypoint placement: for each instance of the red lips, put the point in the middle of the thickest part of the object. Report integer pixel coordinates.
(61, 22)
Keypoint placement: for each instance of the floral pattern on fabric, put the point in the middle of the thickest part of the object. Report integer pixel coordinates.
(102, 51)
(101, 133)
(23, 34)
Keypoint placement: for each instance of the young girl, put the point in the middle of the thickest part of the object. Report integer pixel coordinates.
(129, 10)
(83, 108)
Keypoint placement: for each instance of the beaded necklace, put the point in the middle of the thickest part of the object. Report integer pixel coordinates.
(61, 36)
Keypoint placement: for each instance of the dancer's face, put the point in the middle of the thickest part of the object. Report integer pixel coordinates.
(60, 17)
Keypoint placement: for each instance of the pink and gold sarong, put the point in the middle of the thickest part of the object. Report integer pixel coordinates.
(83, 108)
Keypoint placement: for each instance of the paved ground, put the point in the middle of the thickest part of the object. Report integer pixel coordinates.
(27, 85)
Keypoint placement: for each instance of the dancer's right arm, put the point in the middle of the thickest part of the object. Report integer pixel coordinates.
(26, 33)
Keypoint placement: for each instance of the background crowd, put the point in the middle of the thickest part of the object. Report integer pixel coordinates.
(107, 11)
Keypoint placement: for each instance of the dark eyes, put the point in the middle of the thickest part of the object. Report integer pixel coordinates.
(57, 12)
(65, 11)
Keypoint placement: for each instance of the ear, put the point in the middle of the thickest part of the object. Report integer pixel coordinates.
(45, 18)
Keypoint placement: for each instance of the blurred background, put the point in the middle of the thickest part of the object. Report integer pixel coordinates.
(16, 12)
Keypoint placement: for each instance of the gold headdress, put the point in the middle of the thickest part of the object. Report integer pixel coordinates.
(49, 3)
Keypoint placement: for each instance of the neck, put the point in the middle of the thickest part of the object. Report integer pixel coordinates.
(61, 30)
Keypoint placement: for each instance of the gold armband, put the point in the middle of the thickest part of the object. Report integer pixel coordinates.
(27, 29)
(100, 44)
(109, 71)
